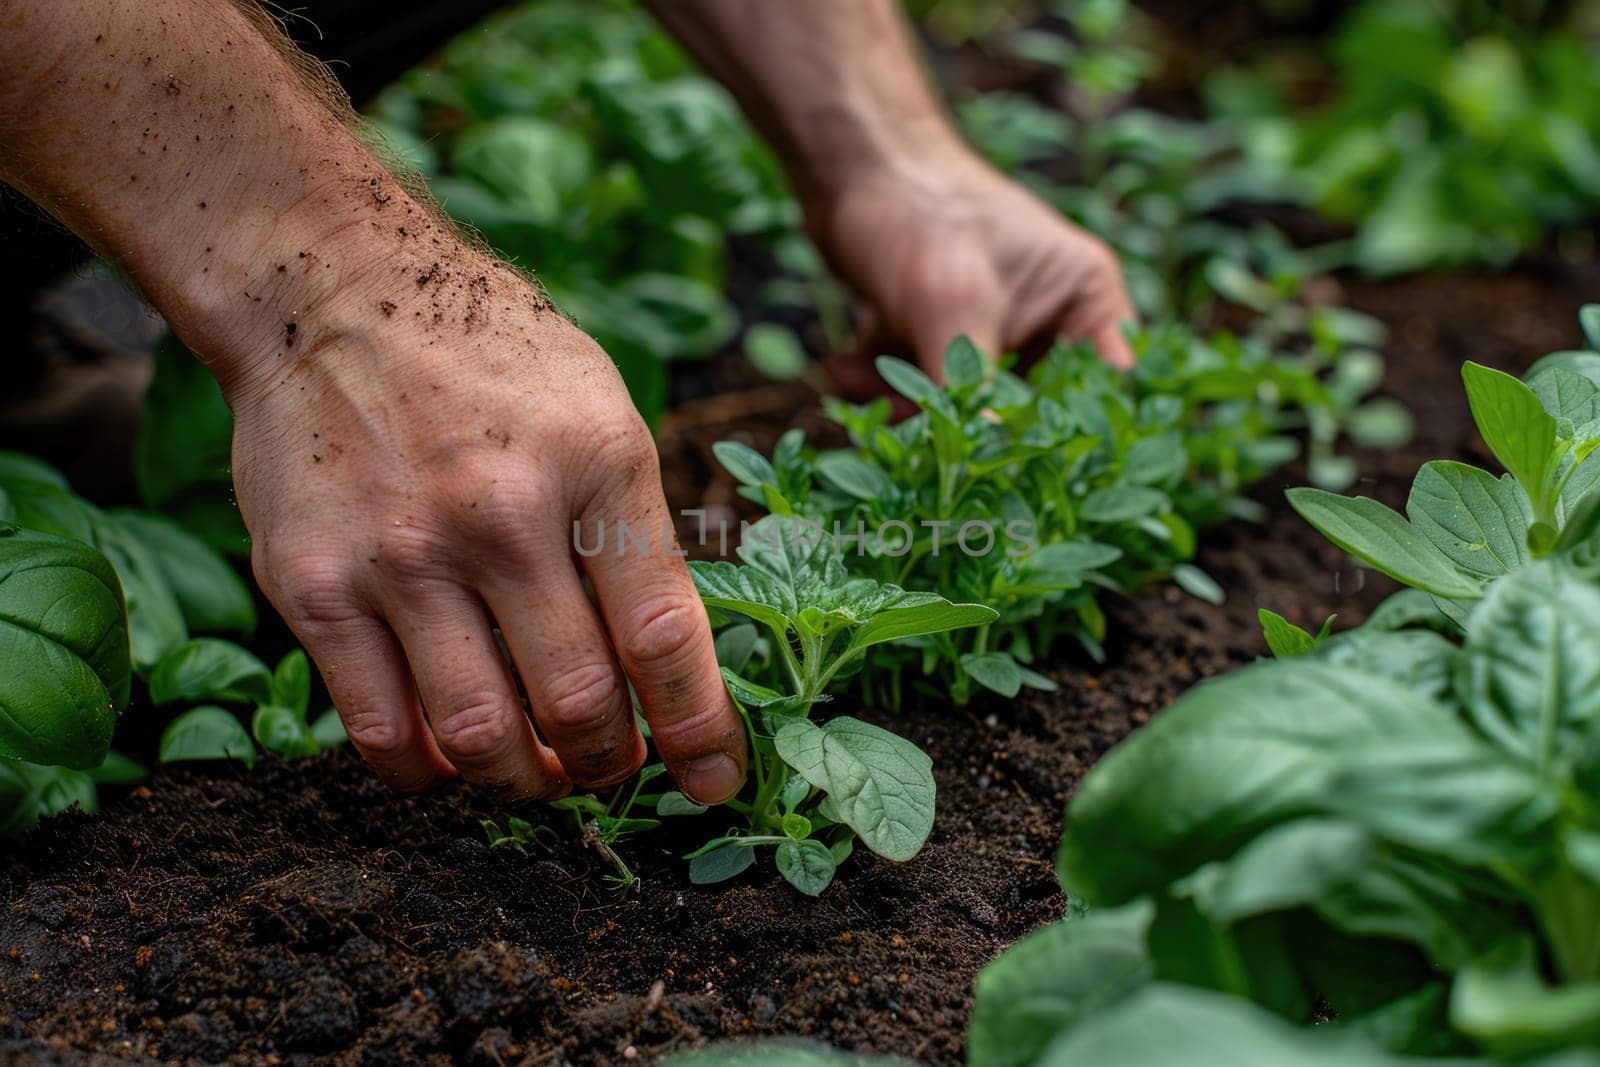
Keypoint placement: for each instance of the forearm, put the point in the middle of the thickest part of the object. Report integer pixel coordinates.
(181, 141)
(835, 85)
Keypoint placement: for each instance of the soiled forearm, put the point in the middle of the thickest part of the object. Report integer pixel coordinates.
(184, 141)
(835, 85)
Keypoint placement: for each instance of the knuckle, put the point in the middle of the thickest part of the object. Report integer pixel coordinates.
(409, 552)
(666, 636)
(478, 731)
(622, 450)
(583, 697)
(375, 734)
(709, 726)
(311, 589)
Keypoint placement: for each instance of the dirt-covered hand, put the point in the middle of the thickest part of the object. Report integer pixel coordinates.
(411, 463)
(948, 246)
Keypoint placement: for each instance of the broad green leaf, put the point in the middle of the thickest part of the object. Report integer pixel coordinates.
(1420, 660)
(30, 792)
(1448, 793)
(1063, 564)
(1287, 866)
(1177, 1024)
(720, 864)
(1233, 756)
(206, 733)
(1054, 979)
(881, 785)
(63, 647)
(156, 626)
(1283, 637)
(897, 624)
(1531, 678)
(209, 668)
(995, 671)
(807, 865)
(673, 802)
(964, 366)
(1409, 608)
(1589, 316)
(1479, 521)
(291, 683)
(747, 466)
(208, 590)
(1382, 538)
(1514, 425)
(284, 731)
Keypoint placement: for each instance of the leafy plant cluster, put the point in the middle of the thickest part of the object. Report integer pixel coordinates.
(1154, 186)
(1035, 493)
(794, 624)
(581, 142)
(91, 603)
(1456, 133)
(1396, 826)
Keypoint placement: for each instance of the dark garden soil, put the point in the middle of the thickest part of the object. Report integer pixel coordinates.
(300, 912)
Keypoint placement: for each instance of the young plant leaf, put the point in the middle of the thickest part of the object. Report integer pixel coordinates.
(807, 865)
(206, 733)
(291, 683)
(1380, 537)
(284, 731)
(1284, 638)
(995, 671)
(881, 785)
(211, 669)
(720, 864)
(1514, 424)
(673, 802)
(1479, 521)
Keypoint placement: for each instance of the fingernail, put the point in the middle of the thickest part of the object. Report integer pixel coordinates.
(712, 779)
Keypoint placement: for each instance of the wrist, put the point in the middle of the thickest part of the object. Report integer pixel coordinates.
(357, 257)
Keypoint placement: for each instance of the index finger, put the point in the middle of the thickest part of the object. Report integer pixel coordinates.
(659, 628)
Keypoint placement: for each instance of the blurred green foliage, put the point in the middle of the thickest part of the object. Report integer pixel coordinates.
(1452, 134)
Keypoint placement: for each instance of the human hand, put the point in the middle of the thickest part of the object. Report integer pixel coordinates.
(411, 462)
(943, 245)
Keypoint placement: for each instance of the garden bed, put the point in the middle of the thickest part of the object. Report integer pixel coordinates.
(299, 910)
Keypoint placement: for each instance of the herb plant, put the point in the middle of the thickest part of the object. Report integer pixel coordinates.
(1393, 825)
(815, 788)
(1033, 494)
(1456, 133)
(1465, 528)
